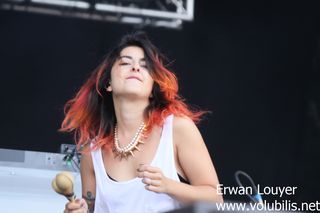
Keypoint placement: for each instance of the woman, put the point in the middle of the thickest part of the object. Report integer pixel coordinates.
(142, 150)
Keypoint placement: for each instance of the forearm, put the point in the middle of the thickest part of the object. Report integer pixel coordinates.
(90, 200)
(186, 193)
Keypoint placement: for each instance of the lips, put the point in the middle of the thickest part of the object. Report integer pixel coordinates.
(134, 77)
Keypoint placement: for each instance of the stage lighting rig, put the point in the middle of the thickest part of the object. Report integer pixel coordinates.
(156, 13)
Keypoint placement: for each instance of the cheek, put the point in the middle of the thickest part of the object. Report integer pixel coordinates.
(114, 71)
(150, 82)
(115, 75)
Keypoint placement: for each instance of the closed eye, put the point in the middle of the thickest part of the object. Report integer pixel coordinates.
(143, 63)
(124, 63)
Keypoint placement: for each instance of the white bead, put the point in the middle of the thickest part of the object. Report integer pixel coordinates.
(132, 145)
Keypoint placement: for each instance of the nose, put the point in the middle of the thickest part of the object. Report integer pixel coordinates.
(135, 69)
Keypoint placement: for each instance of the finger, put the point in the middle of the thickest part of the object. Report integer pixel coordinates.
(73, 205)
(83, 203)
(153, 188)
(148, 181)
(153, 176)
(82, 209)
(148, 168)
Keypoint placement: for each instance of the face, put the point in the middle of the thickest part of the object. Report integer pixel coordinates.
(129, 74)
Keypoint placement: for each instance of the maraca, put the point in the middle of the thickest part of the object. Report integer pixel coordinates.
(63, 184)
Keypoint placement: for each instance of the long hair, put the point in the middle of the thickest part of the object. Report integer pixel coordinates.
(91, 115)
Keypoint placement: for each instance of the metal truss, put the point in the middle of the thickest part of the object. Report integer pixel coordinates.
(157, 13)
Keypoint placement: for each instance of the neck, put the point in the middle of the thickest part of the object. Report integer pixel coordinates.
(129, 114)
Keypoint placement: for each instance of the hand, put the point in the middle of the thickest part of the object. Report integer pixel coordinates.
(153, 178)
(78, 206)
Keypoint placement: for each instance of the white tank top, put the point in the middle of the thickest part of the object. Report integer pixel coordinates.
(131, 196)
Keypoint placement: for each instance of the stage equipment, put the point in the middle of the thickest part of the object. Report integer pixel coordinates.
(26, 177)
(156, 13)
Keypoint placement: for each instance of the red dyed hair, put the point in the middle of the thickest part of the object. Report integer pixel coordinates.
(90, 114)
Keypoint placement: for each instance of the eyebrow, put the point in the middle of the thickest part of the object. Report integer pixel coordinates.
(129, 57)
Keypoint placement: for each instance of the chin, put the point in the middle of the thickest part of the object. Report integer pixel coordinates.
(136, 94)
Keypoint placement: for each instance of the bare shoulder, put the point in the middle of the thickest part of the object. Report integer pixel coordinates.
(182, 122)
(184, 129)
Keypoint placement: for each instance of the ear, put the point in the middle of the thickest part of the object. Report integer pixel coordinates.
(109, 88)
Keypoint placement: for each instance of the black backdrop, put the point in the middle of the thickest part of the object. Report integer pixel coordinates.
(254, 66)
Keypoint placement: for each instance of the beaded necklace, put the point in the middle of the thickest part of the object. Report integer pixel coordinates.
(132, 146)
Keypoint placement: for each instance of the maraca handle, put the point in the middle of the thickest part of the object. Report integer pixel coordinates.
(71, 197)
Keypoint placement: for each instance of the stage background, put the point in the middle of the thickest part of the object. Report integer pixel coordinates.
(256, 67)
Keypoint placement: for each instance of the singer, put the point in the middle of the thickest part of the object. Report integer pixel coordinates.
(141, 150)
